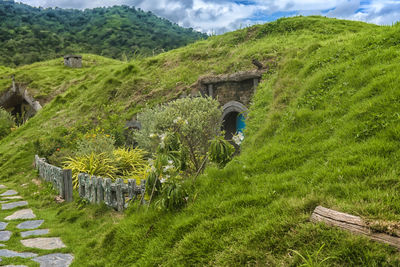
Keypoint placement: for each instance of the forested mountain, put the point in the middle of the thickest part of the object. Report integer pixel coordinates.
(29, 34)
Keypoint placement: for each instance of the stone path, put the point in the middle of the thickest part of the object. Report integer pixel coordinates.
(9, 200)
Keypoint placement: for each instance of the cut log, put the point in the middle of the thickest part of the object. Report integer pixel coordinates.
(351, 223)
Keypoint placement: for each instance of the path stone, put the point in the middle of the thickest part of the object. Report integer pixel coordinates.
(3, 225)
(13, 205)
(15, 266)
(14, 197)
(9, 193)
(55, 260)
(43, 243)
(30, 224)
(5, 235)
(4, 201)
(9, 254)
(2, 186)
(21, 214)
(35, 232)
(2, 245)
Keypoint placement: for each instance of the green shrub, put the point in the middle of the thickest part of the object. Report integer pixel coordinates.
(173, 195)
(95, 142)
(220, 151)
(131, 163)
(7, 122)
(194, 121)
(93, 164)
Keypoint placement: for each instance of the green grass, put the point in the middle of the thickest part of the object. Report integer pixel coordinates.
(323, 129)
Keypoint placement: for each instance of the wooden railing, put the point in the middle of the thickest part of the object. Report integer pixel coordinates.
(116, 195)
(60, 178)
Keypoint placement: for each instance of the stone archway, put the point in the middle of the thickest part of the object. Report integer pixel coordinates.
(233, 117)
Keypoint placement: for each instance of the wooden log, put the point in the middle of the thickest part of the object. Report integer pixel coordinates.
(87, 186)
(142, 191)
(120, 194)
(81, 184)
(107, 192)
(67, 185)
(100, 191)
(351, 223)
(93, 190)
(131, 188)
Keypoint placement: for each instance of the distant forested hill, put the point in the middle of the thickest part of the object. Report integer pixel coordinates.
(29, 34)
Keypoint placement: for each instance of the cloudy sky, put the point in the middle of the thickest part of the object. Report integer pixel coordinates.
(218, 16)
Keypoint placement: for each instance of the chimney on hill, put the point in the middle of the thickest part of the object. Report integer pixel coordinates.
(73, 61)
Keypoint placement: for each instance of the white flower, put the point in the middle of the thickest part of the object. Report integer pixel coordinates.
(238, 138)
(153, 169)
(170, 162)
(151, 162)
(163, 180)
(166, 168)
(152, 135)
(177, 120)
(241, 136)
(163, 136)
(186, 122)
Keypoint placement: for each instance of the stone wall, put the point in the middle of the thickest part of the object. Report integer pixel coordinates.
(61, 179)
(116, 195)
(238, 87)
(225, 92)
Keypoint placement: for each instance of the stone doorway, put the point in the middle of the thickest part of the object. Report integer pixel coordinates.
(233, 118)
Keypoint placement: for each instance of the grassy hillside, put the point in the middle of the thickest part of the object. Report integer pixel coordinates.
(323, 130)
(29, 34)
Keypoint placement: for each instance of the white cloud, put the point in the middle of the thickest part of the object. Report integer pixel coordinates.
(225, 15)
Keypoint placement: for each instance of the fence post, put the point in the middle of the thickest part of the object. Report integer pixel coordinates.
(120, 195)
(67, 185)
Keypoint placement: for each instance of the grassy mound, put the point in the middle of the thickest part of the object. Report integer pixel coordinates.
(323, 130)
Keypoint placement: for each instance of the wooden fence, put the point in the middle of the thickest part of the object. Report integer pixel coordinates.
(61, 179)
(98, 190)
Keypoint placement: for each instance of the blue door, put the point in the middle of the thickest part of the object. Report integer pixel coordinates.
(240, 123)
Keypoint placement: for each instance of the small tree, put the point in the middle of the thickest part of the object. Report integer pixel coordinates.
(195, 121)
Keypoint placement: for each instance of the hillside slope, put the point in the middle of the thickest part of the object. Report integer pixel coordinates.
(29, 34)
(323, 130)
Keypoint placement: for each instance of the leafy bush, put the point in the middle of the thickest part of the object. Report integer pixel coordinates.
(93, 164)
(124, 163)
(192, 121)
(220, 151)
(173, 195)
(7, 122)
(131, 163)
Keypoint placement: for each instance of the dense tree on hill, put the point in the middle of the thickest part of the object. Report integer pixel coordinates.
(29, 34)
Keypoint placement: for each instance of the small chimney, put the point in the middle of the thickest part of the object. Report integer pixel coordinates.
(73, 61)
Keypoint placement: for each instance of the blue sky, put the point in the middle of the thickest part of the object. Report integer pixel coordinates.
(218, 16)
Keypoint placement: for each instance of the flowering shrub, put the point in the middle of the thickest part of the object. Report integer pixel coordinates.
(96, 141)
(238, 138)
(191, 122)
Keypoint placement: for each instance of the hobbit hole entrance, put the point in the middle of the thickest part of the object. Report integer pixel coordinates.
(19, 103)
(233, 118)
(232, 124)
